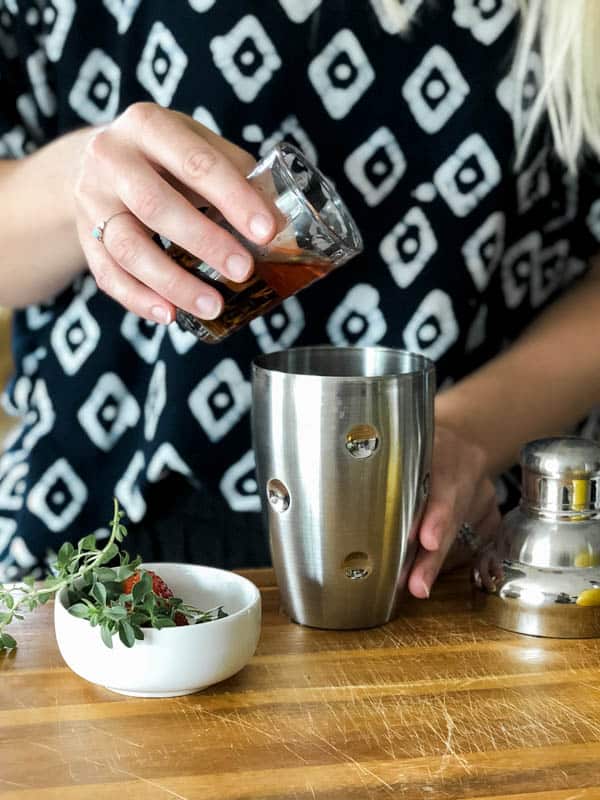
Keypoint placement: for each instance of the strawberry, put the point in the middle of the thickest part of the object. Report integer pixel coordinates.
(180, 619)
(159, 587)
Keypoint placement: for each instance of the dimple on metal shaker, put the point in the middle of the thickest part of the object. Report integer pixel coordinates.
(343, 440)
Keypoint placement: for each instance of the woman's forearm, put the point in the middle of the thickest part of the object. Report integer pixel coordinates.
(40, 253)
(542, 385)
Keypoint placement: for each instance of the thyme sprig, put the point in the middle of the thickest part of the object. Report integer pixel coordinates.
(94, 592)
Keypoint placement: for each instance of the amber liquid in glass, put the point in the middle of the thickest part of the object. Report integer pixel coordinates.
(271, 282)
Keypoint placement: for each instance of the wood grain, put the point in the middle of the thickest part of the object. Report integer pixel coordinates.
(434, 705)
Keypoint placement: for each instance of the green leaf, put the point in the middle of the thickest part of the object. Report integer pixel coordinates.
(106, 635)
(86, 581)
(80, 610)
(5, 618)
(163, 622)
(139, 633)
(115, 612)
(114, 591)
(139, 618)
(99, 593)
(110, 552)
(43, 597)
(7, 642)
(29, 580)
(65, 554)
(126, 634)
(123, 572)
(106, 574)
(149, 604)
(8, 601)
(73, 596)
(139, 592)
(73, 566)
(143, 588)
(88, 542)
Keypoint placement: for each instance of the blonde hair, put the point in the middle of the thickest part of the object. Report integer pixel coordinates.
(566, 34)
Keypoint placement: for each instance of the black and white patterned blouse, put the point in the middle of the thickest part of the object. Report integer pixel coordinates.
(461, 251)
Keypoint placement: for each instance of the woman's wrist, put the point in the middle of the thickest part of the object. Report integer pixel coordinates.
(41, 253)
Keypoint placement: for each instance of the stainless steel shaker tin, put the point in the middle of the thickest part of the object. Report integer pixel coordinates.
(343, 440)
(543, 575)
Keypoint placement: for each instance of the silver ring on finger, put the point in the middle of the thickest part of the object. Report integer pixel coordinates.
(467, 537)
(99, 230)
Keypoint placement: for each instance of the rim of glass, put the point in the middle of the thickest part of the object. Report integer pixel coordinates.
(422, 364)
(354, 240)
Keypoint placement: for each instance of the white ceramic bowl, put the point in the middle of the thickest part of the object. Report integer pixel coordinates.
(170, 661)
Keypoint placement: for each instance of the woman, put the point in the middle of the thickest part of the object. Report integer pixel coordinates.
(460, 170)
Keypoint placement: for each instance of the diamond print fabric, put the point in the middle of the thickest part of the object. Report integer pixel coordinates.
(415, 131)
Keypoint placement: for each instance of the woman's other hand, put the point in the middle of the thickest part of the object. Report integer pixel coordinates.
(461, 492)
(158, 166)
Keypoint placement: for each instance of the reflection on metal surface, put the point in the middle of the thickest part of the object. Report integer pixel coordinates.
(278, 495)
(357, 566)
(561, 477)
(589, 597)
(362, 441)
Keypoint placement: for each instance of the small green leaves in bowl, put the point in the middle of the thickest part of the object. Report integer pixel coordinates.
(105, 587)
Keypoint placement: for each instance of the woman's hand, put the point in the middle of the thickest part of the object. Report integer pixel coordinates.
(158, 166)
(461, 492)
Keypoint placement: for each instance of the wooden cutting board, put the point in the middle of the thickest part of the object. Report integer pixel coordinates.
(434, 705)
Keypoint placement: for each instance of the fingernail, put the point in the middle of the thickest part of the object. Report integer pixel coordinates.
(426, 589)
(261, 226)
(161, 314)
(208, 307)
(238, 266)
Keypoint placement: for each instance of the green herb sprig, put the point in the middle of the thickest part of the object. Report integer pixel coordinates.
(95, 592)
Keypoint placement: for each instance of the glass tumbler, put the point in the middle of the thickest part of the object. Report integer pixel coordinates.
(315, 234)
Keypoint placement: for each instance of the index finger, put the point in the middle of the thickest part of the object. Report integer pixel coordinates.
(204, 164)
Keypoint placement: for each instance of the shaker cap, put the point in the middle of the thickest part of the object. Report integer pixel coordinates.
(561, 476)
(562, 456)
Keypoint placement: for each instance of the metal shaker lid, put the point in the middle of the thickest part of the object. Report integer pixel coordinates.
(561, 477)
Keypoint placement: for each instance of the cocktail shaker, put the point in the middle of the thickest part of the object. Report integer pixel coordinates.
(542, 575)
(343, 440)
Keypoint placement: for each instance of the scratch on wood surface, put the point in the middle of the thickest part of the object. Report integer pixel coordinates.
(156, 784)
(592, 726)
(245, 724)
(311, 788)
(4, 782)
(47, 747)
(446, 738)
(388, 733)
(590, 686)
(114, 736)
(362, 768)
(448, 742)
